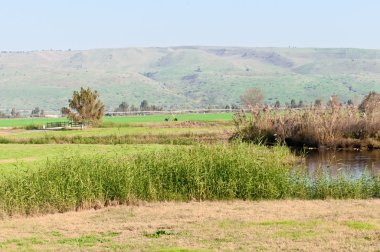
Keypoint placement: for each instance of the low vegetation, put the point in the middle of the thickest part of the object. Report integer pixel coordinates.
(200, 172)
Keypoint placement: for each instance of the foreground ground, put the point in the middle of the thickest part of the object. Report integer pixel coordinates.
(350, 225)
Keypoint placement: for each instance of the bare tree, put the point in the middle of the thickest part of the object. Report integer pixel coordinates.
(85, 106)
(252, 97)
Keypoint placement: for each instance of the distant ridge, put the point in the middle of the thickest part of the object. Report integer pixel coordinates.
(186, 76)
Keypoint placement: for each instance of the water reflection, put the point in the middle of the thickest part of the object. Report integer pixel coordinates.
(350, 162)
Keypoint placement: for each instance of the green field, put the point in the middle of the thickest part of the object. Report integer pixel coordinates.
(15, 157)
(123, 119)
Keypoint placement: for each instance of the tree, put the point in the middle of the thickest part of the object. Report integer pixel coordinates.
(234, 106)
(318, 103)
(134, 108)
(85, 107)
(35, 112)
(252, 97)
(300, 104)
(123, 107)
(277, 104)
(293, 103)
(14, 113)
(144, 105)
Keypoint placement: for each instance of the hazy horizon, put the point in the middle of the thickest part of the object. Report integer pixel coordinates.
(189, 46)
(86, 25)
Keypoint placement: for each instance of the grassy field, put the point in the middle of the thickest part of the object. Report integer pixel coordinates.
(122, 119)
(15, 157)
(288, 225)
(154, 133)
(138, 176)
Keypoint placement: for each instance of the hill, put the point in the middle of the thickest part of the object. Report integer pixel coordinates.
(186, 77)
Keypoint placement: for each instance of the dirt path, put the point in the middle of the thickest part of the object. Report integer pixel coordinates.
(238, 225)
(9, 131)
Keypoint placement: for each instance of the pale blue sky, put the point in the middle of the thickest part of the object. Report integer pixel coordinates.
(87, 24)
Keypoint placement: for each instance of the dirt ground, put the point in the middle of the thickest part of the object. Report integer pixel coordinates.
(289, 225)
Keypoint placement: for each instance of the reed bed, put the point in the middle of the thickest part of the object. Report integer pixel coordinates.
(344, 127)
(201, 172)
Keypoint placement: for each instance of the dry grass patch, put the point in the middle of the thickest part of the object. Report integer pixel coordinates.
(348, 225)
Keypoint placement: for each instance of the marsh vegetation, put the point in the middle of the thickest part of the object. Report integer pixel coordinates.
(334, 126)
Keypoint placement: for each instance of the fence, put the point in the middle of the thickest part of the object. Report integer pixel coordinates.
(73, 124)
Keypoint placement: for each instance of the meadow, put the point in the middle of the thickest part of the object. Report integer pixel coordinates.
(123, 174)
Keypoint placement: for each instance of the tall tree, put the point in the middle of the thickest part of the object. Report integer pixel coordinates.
(123, 107)
(318, 103)
(277, 104)
(85, 106)
(293, 103)
(252, 97)
(300, 104)
(144, 105)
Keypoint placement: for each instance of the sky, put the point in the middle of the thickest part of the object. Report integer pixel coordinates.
(88, 24)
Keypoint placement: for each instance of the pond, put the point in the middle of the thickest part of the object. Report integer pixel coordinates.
(349, 162)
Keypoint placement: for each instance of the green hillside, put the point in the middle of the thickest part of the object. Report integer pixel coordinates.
(185, 77)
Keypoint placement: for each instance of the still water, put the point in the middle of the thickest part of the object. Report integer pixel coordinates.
(349, 162)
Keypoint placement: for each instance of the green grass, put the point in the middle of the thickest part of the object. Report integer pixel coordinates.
(200, 172)
(84, 241)
(15, 157)
(180, 117)
(360, 225)
(23, 122)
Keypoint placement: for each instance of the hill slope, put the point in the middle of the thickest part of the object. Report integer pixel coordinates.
(185, 76)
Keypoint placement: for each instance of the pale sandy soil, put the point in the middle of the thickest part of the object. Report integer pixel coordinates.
(294, 225)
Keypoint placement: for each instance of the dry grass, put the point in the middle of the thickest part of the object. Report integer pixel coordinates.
(350, 225)
(332, 127)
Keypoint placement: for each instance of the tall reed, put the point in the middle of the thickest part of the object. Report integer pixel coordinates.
(336, 127)
(201, 172)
